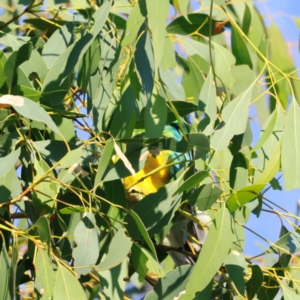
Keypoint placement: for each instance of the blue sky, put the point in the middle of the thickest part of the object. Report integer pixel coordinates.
(268, 225)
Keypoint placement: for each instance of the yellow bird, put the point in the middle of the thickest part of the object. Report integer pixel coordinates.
(156, 172)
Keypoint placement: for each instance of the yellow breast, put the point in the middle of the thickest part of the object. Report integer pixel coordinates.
(141, 185)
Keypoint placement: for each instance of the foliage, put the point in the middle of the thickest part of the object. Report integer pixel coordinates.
(78, 80)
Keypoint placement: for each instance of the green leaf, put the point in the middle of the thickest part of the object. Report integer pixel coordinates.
(220, 2)
(144, 60)
(183, 108)
(255, 282)
(134, 22)
(155, 116)
(243, 76)
(15, 42)
(205, 196)
(33, 111)
(224, 60)
(288, 293)
(156, 210)
(243, 196)
(123, 121)
(236, 268)
(35, 64)
(145, 263)
(208, 97)
(288, 243)
(59, 41)
(27, 92)
(5, 266)
(263, 48)
(42, 225)
(182, 6)
(168, 58)
(118, 250)
(56, 83)
(212, 255)
(194, 23)
(104, 162)
(196, 77)
(238, 171)
(66, 285)
(8, 161)
(157, 15)
(6, 185)
(193, 47)
(14, 61)
(268, 130)
(45, 274)
(246, 19)
(170, 286)
(290, 157)
(236, 112)
(45, 191)
(170, 81)
(71, 158)
(112, 282)
(197, 140)
(143, 231)
(72, 209)
(53, 149)
(272, 167)
(239, 49)
(86, 235)
(192, 181)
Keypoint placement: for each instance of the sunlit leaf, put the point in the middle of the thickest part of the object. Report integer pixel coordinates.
(243, 196)
(212, 255)
(290, 158)
(157, 14)
(116, 254)
(66, 285)
(145, 263)
(236, 112)
(86, 252)
(165, 287)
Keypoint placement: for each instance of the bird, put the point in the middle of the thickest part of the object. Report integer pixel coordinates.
(156, 165)
(156, 173)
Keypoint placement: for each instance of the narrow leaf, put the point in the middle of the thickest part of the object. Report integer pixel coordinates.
(236, 112)
(66, 285)
(157, 14)
(239, 49)
(243, 196)
(255, 282)
(191, 24)
(45, 274)
(236, 268)
(116, 254)
(192, 181)
(134, 22)
(290, 158)
(212, 255)
(170, 286)
(86, 235)
(59, 41)
(145, 263)
(8, 161)
(208, 97)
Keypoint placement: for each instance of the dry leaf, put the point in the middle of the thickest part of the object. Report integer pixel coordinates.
(11, 100)
(124, 159)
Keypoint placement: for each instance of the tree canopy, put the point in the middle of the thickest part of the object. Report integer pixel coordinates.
(86, 88)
